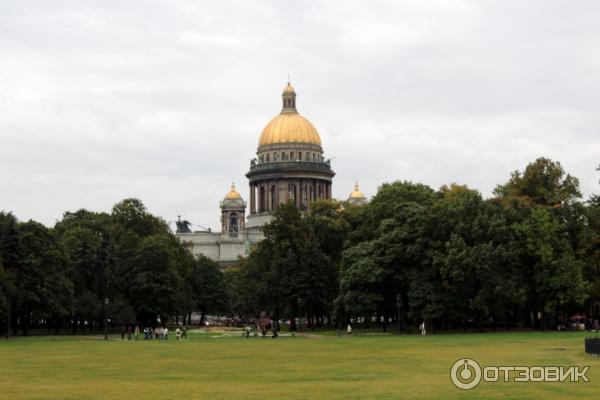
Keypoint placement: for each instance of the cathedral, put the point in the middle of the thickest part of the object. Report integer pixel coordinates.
(289, 167)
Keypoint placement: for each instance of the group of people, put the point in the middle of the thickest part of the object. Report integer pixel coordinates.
(158, 333)
(263, 326)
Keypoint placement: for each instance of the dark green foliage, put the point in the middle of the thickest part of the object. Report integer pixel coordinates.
(62, 276)
(290, 274)
(544, 182)
(528, 257)
(208, 290)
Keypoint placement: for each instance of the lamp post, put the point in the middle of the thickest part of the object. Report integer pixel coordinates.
(105, 318)
(299, 300)
(398, 311)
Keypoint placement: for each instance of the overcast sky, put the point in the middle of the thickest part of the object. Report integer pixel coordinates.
(165, 100)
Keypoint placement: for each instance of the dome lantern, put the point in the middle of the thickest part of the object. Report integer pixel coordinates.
(289, 99)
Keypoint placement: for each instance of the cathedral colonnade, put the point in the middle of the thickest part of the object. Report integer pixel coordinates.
(267, 195)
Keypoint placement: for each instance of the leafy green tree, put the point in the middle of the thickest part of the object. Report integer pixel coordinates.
(589, 248)
(209, 293)
(555, 277)
(329, 227)
(476, 255)
(362, 282)
(10, 260)
(87, 242)
(4, 295)
(393, 223)
(288, 274)
(43, 287)
(154, 279)
(131, 214)
(544, 182)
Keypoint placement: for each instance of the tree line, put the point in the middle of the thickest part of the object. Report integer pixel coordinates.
(126, 265)
(527, 257)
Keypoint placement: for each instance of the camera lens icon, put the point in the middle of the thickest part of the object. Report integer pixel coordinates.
(465, 373)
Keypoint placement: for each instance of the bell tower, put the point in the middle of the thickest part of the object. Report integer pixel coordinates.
(233, 213)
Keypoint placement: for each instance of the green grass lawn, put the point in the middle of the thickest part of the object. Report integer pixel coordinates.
(318, 367)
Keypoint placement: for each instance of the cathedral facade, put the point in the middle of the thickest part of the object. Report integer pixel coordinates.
(289, 167)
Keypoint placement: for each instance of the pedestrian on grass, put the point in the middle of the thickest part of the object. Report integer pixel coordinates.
(123, 332)
(423, 328)
(349, 330)
(137, 332)
(178, 333)
(183, 333)
(129, 332)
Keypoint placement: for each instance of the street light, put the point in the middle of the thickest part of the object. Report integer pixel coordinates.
(105, 318)
(398, 311)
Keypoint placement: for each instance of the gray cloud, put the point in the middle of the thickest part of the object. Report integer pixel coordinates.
(165, 100)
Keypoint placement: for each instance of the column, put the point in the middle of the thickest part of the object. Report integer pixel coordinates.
(252, 198)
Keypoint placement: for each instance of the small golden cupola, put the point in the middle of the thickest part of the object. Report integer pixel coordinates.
(357, 197)
(233, 194)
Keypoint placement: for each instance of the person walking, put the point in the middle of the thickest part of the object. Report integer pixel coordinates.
(166, 333)
(183, 333)
(349, 330)
(129, 332)
(178, 334)
(423, 329)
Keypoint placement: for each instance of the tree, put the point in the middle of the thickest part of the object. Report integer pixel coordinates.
(154, 279)
(589, 248)
(288, 274)
(362, 282)
(555, 277)
(393, 223)
(4, 289)
(10, 260)
(43, 287)
(544, 182)
(131, 214)
(208, 290)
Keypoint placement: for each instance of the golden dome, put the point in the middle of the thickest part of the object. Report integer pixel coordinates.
(289, 127)
(357, 194)
(233, 195)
